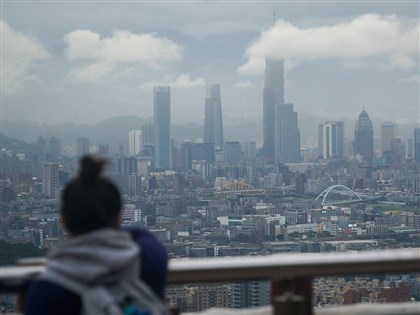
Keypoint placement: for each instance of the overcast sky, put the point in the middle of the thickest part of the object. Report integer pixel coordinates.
(86, 61)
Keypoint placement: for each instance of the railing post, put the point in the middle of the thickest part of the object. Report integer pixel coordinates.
(299, 286)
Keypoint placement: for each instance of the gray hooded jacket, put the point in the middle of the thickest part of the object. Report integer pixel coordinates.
(103, 268)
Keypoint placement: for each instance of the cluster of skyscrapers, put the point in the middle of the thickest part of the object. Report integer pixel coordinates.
(281, 133)
(392, 149)
(213, 127)
(281, 136)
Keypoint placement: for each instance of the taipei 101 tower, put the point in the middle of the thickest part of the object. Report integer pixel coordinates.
(273, 97)
(281, 132)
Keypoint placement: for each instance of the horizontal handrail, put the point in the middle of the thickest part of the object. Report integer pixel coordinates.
(280, 266)
(273, 267)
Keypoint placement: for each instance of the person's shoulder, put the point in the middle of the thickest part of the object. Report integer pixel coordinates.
(143, 237)
(154, 259)
(138, 232)
(149, 244)
(44, 297)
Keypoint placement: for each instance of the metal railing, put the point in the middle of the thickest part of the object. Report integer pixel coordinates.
(283, 270)
(280, 266)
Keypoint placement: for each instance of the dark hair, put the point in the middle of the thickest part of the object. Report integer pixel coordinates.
(90, 201)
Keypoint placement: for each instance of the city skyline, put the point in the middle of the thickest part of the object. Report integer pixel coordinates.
(87, 69)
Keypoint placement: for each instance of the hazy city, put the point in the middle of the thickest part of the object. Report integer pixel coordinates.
(231, 129)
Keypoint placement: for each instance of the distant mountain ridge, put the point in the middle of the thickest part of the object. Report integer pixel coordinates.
(12, 143)
(116, 129)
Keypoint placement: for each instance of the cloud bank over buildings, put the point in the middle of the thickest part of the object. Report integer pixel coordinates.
(365, 36)
(81, 63)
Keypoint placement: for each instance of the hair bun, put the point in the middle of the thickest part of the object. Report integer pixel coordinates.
(90, 170)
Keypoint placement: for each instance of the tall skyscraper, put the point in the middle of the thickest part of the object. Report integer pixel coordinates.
(331, 140)
(363, 137)
(388, 133)
(286, 135)
(417, 145)
(273, 97)
(162, 125)
(213, 124)
(281, 133)
(134, 142)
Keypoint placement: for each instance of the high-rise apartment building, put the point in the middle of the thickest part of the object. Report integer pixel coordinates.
(82, 146)
(331, 140)
(199, 152)
(50, 180)
(148, 134)
(213, 124)
(363, 137)
(232, 153)
(410, 153)
(134, 142)
(287, 135)
(388, 133)
(417, 145)
(162, 125)
(127, 165)
(273, 97)
(250, 150)
(250, 293)
(53, 149)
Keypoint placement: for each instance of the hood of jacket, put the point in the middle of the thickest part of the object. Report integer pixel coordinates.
(103, 256)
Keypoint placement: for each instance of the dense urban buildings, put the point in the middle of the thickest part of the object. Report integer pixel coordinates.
(363, 137)
(213, 123)
(162, 126)
(236, 198)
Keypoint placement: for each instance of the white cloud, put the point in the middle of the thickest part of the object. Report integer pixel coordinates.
(20, 56)
(119, 55)
(243, 85)
(121, 47)
(92, 72)
(368, 35)
(411, 79)
(183, 81)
